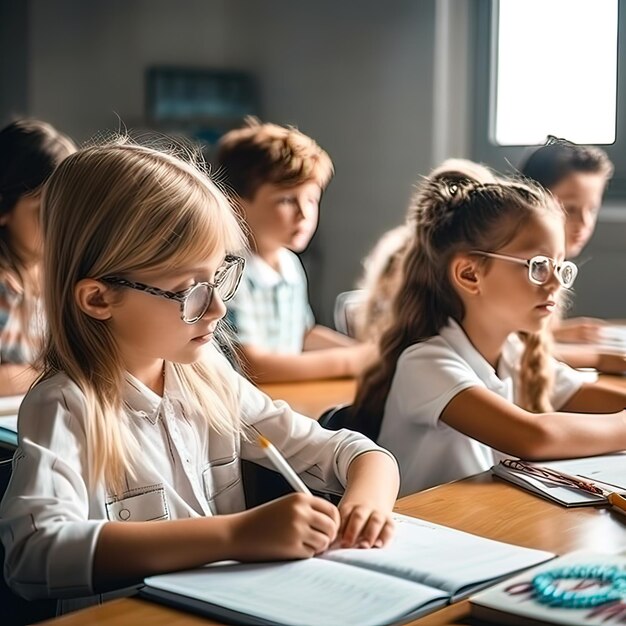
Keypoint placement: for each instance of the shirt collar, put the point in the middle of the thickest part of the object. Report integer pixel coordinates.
(456, 337)
(141, 400)
(260, 273)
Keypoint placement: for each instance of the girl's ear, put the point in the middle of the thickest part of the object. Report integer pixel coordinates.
(94, 298)
(465, 274)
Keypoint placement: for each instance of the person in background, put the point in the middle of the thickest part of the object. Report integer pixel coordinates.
(131, 440)
(278, 175)
(383, 265)
(379, 283)
(577, 177)
(466, 372)
(29, 152)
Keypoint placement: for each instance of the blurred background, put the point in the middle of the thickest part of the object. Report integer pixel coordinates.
(389, 89)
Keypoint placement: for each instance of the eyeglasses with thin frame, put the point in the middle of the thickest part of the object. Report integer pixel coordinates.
(196, 300)
(540, 268)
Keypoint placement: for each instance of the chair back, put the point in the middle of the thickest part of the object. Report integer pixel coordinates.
(336, 418)
(348, 304)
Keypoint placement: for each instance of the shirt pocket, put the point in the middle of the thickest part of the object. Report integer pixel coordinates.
(146, 506)
(220, 477)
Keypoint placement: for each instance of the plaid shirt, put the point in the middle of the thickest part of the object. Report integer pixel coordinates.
(19, 341)
(271, 309)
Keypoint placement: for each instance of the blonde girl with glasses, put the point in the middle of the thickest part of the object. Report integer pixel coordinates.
(130, 442)
(466, 371)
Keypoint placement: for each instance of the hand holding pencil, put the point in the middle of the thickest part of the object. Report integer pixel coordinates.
(364, 521)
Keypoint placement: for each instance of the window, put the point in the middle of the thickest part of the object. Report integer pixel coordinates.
(556, 71)
(549, 68)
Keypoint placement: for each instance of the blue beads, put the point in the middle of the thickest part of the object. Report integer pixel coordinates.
(547, 590)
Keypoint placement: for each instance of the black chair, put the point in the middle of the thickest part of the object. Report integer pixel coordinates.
(260, 485)
(16, 611)
(336, 418)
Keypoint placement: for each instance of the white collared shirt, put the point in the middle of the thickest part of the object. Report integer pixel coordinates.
(428, 375)
(271, 309)
(52, 512)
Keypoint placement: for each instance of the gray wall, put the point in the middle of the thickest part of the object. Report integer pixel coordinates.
(358, 77)
(386, 88)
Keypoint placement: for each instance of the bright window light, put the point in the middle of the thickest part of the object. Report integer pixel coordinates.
(556, 71)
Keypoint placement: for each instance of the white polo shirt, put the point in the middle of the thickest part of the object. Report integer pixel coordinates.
(428, 375)
(271, 308)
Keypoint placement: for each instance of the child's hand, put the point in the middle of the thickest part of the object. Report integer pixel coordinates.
(364, 526)
(361, 357)
(296, 526)
(611, 363)
(579, 330)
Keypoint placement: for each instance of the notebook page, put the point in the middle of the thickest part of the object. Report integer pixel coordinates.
(9, 405)
(312, 592)
(9, 422)
(442, 557)
(609, 469)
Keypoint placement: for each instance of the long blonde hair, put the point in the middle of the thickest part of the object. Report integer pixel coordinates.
(116, 209)
(452, 212)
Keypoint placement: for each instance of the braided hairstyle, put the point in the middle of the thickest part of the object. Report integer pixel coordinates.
(453, 213)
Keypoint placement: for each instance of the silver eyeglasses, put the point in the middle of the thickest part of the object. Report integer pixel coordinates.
(195, 301)
(540, 268)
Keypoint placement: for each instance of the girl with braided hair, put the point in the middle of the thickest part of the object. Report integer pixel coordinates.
(465, 369)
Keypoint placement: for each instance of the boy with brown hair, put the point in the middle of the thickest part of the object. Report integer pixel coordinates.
(278, 175)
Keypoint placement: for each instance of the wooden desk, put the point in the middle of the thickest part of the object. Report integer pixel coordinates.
(614, 381)
(312, 398)
(482, 504)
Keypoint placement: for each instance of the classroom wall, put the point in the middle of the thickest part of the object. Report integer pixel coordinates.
(357, 77)
(383, 87)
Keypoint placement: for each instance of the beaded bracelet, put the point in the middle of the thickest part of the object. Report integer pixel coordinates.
(547, 591)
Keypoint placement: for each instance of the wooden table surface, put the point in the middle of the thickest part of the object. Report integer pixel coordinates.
(312, 398)
(482, 504)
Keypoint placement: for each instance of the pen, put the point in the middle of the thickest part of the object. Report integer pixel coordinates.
(281, 465)
(617, 502)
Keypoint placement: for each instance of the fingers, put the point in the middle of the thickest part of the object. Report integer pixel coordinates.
(327, 508)
(321, 523)
(364, 528)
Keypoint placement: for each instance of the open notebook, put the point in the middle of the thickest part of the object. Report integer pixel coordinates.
(607, 471)
(425, 566)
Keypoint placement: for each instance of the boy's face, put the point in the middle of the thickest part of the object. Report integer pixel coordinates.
(283, 217)
(580, 193)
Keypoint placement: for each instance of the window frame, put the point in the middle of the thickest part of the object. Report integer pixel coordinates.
(507, 158)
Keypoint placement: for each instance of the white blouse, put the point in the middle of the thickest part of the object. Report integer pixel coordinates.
(428, 375)
(53, 511)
